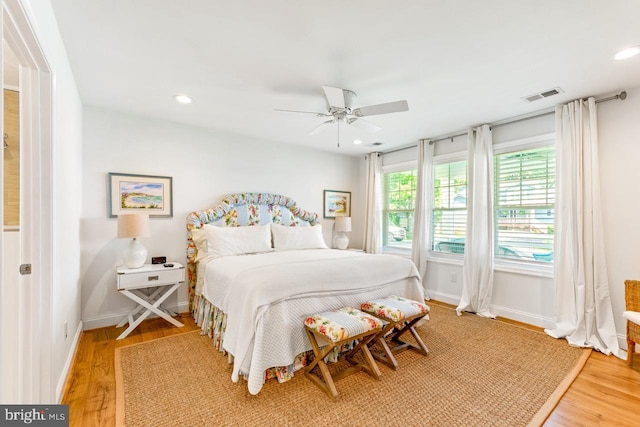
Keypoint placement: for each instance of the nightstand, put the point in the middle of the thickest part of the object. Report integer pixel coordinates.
(164, 281)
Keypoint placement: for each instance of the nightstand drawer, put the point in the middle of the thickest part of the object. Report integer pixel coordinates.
(145, 279)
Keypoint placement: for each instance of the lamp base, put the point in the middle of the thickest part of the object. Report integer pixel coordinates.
(341, 241)
(134, 255)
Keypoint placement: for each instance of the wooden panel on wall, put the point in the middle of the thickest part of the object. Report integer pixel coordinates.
(12, 158)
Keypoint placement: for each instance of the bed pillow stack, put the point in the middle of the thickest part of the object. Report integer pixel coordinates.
(295, 238)
(216, 241)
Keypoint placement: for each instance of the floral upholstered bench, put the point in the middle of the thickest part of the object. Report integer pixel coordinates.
(336, 328)
(399, 313)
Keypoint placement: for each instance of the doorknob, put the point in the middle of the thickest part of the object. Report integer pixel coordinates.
(25, 269)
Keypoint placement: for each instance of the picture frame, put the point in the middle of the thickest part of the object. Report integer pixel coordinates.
(130, 193)
(336, 203)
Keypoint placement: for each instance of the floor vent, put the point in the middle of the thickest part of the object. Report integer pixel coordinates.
(543, 94)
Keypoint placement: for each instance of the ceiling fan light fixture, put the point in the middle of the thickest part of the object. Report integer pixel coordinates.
(627, 53)
(183, 99)
(339, 103)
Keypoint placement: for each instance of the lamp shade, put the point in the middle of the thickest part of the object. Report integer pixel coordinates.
(343, 223)
(133, 225)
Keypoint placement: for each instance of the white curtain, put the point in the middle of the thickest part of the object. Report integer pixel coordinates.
(422, 213)
(373, 205)
(477, 268)
(584, 314)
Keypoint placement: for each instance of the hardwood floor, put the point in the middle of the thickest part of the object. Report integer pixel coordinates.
(606, 393)
(91, 390)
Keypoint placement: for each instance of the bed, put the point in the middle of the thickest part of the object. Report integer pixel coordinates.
(258, 266)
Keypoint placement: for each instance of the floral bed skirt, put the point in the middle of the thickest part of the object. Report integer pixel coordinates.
(213, 322)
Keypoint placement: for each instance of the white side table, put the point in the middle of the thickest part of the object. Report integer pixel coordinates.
(131, 281)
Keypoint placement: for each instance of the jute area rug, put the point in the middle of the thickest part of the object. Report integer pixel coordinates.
(479, 372)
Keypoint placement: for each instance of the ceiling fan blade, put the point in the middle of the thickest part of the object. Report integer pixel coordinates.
(304, 112)
(334, 95)
(316, 130)
(364, 125)
(389, 107)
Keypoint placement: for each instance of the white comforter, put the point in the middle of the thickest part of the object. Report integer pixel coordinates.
(267, 296)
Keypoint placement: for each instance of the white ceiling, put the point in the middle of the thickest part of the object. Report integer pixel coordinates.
(457, 63)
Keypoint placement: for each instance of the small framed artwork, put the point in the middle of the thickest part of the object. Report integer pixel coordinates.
(337, 203)
(129, 193)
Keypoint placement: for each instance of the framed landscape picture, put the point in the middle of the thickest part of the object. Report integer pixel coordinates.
(129, 193)
(337, 203)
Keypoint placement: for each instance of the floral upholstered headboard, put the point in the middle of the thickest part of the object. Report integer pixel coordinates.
(241, 210)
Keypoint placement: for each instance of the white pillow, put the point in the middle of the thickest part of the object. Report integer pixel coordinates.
(199, 237)
(287, 238)
(224, 241)
(633, 316)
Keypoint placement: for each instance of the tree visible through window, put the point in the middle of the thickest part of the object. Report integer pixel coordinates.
(399, 205)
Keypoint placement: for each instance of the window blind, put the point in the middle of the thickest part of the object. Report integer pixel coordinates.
(449, 220)
(524, 204)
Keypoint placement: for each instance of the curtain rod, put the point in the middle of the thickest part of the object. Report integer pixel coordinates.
(621, 96)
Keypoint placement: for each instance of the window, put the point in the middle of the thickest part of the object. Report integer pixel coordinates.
(524, 204)
(449, 219)
(399, 204)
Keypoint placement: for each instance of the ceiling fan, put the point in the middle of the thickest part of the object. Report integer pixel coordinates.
(340, 110)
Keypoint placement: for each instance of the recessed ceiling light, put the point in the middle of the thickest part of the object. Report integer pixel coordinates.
(357, 141)
(183, 99)
(627, 53)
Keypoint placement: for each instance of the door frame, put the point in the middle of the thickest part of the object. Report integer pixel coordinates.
(34, 327)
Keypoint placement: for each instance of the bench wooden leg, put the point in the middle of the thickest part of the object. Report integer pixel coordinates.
(328, 386)
(327, 382)
(386, 356)
(403, 345)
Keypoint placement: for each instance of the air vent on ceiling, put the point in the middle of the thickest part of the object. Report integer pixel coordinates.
(374, 144)
(544, 94)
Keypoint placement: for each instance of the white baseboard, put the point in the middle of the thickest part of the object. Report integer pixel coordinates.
(522, 316)
(443, 297)
(508, 313)
(115, 318)
(62, 381)
(622, 342)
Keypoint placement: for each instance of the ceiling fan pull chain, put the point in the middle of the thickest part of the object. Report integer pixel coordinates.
(338, 133)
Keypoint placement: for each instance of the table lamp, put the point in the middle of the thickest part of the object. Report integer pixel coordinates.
(134, 225)
(342, 226)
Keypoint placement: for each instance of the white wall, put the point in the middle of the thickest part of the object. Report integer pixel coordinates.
(205, 166)
(619, 148)
(66, 183)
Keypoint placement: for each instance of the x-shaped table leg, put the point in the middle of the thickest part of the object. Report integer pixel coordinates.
(149, 298)
(136, 296)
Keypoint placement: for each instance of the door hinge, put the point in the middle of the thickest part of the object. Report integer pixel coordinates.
(25, 269)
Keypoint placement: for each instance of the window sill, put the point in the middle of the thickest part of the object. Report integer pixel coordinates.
(524, 268)
(442, 258)
(394, 251)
